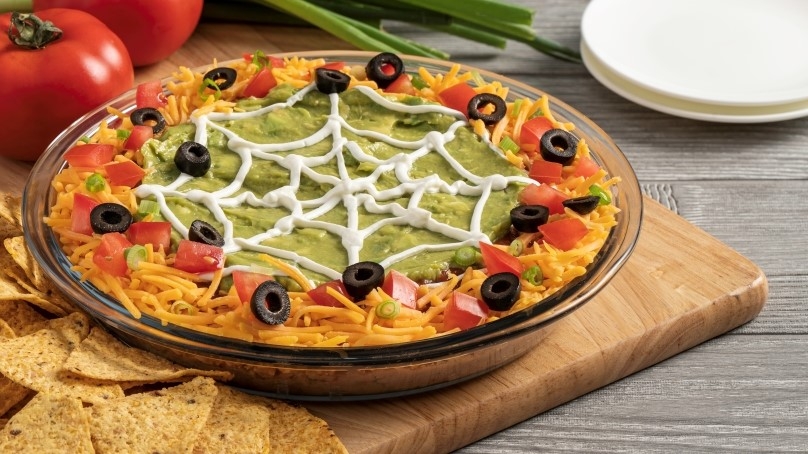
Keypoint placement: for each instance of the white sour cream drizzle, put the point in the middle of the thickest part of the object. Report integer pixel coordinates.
(351, 192)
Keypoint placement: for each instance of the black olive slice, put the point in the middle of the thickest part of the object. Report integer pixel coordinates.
(147, 115)
(110, 217)
(192, 158)
(202, 232)
(223, 77)
(559, 146)
(582, 205)
(362, 277)
(500, 291)
(375, 69)
(528, 218)
(270, 303)
(478, 102)
(331, 81)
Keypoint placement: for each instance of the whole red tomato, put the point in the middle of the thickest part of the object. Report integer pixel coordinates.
(45, 90)
(151, 29)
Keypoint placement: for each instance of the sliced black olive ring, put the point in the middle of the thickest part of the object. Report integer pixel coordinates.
(377, 66)
(110, 217)
(192, 158)
(331, 81)
(582, 205)
(223, 77)
(478, 102)
(528, 218)
(500, 291)
(202, 232)
(146, 115)
(557, 145)
(362, 277)
(270, 303)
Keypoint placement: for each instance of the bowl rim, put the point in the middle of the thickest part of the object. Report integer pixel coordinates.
(614, 253)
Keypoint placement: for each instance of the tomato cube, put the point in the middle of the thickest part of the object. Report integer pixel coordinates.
(260, 84)
(150, 94)
(89, 155)
(401, 288)
(464, 311)
(564, 233)
(498, 261)
(246, 282)
(586, 167)
(109, 255)
(195, 257)
(546, 195)
(80, 216)
(546, 172)
(402, 84)
(457, 97)
(139, 135)
(156, 233)
(124, 173)
(320, 294)
(531, 132)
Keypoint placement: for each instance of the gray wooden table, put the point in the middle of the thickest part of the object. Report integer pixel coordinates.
(746, 184)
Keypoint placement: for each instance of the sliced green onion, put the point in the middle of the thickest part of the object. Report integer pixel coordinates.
(477, 78)
(123, 134)
(95, 182)
(85, 139)
(209, 83)
(418, 82)
(537, 113)
(260, 59)
(466, 256)
(182, 307)
(598, 191)
(146, 208)
(508, 144)
(516, 247)
(517, 106)
(134, 255)
(388, 309)
(533, 275)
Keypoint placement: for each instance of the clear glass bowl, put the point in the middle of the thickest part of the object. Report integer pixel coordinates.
(353, 373)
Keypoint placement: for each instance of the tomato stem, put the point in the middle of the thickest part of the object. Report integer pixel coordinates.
(28, 31)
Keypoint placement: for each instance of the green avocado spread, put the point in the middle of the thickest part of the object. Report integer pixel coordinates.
(391, 224)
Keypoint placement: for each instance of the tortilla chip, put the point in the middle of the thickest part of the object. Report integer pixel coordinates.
(168, 420)
(238, 423)
(35, 361)
(48, 424)
(103, 357)
(21, 317)
(29, 275)
(10, 392)
(10, 215)
(6, 332)
(10, 290)
(294, 430)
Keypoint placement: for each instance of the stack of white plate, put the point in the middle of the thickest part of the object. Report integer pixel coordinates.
(735, 61)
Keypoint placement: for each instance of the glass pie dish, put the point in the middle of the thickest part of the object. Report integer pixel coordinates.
(343, 373)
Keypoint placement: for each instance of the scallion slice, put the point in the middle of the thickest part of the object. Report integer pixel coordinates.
(134, 255)
(466, 256)
(122, 134)
(507, 144)
(147, 207)
(388, 309)
(533, 275)
(598, 191)
(209, 83)
(516, 247)
(95, 183)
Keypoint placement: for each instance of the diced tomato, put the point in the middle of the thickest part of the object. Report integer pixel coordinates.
(109, 255)
(90, 155)
(320, 294)
(195, 257)
(543, 194)
(401, 288)
(156, 233)
(150, 94)
(402, 84)
(246, 282)
(457, 97)
(335, 65)
(80, 217)
(563, 233)
(531, 133)
(586, 167)
(275, 62)
(260, 84)
(546, 171)
(498, 261)
(124, 173)
(139, 135)
(464, 311)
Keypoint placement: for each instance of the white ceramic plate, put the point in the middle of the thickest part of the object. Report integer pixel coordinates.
(685, 108)
(727, 52)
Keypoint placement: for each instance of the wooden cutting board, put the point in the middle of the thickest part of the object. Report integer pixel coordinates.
(681, 287)
(678, 289)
